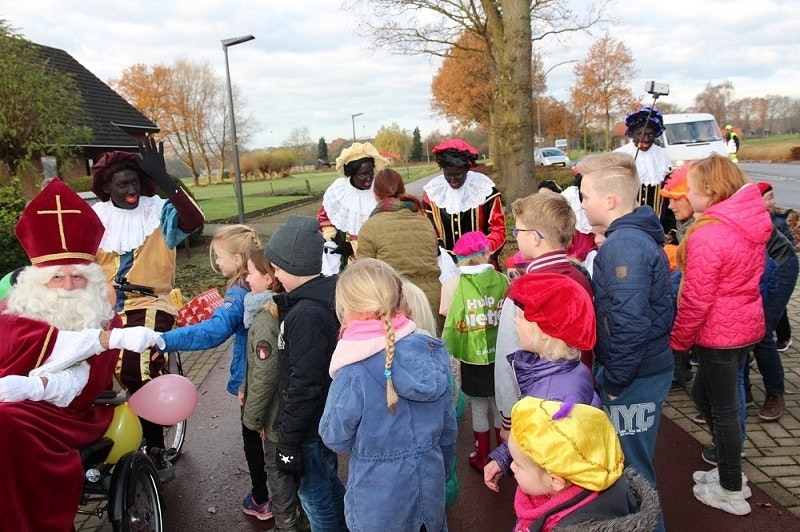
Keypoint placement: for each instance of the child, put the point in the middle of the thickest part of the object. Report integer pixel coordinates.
(258, 394)
(568, 464)
(308, 334)
(389, 406)
(632, 289)
(555, 321)
(231, 246)
(544, 225)
(471, 301)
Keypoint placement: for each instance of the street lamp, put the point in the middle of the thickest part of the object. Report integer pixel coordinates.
(238, 173)
(353, 118)
(538, 114)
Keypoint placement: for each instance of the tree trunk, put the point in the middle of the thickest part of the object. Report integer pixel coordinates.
(510, 49)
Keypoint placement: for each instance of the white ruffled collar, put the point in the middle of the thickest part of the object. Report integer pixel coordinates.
(346, 206)
(127, 229)
(470, 195)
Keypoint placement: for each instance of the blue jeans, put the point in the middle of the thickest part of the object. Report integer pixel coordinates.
(636, 414)
(766, 351)
(716, 395)
(321, 491)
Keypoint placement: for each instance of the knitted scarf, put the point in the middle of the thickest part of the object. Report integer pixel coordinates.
(391, 205)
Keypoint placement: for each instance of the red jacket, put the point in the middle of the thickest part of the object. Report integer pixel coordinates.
(719, 304)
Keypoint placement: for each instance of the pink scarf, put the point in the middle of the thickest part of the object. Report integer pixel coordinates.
(363, 338)
(529, 508)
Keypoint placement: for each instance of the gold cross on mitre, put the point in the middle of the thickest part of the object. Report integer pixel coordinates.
(60, 212)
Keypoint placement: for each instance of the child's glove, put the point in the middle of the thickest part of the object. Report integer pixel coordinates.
(289, 460)
(151, 161)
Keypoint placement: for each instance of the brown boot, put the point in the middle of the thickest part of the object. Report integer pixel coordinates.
(772, 409)
(480, 457)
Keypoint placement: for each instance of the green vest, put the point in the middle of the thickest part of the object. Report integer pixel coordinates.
(470, 331)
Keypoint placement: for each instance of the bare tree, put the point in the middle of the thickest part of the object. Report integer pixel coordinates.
(508, 29)
(715, 100)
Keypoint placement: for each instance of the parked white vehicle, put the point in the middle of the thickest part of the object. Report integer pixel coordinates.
(691, 136)
(550, 157)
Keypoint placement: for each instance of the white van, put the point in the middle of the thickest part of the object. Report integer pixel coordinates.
(691, 136)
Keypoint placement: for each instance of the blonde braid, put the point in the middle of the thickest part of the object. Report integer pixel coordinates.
(391, 395)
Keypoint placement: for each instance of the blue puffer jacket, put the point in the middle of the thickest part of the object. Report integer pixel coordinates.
(226, 321)
(633, 300)
(398, 462)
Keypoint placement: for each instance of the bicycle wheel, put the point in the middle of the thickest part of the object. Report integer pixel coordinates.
(174, 436)
(137, 496)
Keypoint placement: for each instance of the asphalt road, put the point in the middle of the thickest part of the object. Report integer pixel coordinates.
(784, 177)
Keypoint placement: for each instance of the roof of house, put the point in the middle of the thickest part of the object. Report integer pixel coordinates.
(111, 118)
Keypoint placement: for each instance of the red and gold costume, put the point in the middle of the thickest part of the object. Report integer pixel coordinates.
(475, 206)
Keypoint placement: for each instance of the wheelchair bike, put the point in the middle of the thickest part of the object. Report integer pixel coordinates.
(129, 491)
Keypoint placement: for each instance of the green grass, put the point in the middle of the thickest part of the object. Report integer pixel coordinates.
(218, 200)
(793, 140)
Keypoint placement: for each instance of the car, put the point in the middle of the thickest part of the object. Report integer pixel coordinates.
(550, 157)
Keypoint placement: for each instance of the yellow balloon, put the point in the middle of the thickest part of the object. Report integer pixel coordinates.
(126, 431)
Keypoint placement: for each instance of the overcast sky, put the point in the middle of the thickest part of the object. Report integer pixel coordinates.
(309, 67)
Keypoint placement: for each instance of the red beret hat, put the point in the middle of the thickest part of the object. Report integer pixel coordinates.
(110, 163)
(455, 144)
(764, 187)
(558, 305)
(59, 227)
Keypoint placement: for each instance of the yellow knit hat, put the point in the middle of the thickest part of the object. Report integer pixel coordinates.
(361, 151)
(574, 441)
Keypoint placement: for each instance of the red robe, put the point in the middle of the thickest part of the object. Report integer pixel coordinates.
(41, 476)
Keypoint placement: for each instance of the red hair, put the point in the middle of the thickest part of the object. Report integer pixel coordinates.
(389, 184)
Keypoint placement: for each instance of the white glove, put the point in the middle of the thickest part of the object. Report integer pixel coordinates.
(18, 388)
(135, 339)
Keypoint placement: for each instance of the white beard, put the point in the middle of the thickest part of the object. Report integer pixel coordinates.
(66, 310)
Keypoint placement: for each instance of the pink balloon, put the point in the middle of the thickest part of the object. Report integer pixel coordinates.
(165, 400)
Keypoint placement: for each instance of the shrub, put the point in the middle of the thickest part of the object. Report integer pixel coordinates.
(12, 203)
(80, 184)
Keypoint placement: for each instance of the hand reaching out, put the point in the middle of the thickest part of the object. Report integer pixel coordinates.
(151, 161)
(491, 476)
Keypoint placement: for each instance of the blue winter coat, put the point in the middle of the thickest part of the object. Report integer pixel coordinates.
(634, 302)
(547, 379)
(226, 321)
(398, 462)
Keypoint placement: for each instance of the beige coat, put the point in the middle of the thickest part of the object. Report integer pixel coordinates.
(406, 241)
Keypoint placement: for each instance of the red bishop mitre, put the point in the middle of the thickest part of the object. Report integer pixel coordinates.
(59, 227)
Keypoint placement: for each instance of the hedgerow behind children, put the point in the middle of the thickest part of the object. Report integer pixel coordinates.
(471, 301)
(389, 406)
(309, 330)
(569, 466)
(554, 318)
(230, 248)
(259, 391)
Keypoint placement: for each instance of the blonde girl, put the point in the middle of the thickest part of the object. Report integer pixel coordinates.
(380, 360)
(230, 249)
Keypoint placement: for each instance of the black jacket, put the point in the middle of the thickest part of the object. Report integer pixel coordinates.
(309, 331)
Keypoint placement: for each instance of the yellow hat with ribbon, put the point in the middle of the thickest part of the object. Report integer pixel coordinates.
(576, 442)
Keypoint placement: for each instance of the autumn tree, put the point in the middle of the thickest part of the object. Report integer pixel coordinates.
(40, 107)
(507, 28)
(393, 139)
(188, 102)
(462, 87)
(602, 87)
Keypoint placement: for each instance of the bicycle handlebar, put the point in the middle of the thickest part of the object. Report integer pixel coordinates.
(121, 283)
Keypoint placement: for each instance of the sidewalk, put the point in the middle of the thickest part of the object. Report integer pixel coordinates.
(772, 459)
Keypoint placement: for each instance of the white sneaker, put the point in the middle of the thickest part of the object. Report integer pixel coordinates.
(709, 477)
(716, 496)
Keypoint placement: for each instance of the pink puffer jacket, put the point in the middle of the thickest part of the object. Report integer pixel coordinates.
(719, 304)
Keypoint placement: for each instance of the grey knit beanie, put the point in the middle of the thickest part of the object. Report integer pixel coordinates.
(296, 247)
